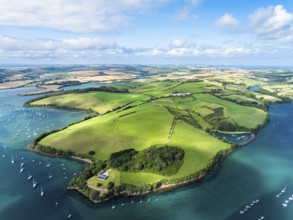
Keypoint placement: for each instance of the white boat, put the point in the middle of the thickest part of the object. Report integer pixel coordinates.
(29, 176)
(48, 165)
(69, 216)
(21, 164)
(113, 207)
(12, 160)
(284, 204)
(3, 156)
(50, 176)
(42, 192)
(21, 169)
(34, 183)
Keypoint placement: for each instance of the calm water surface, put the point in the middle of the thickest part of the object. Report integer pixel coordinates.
(259, 170)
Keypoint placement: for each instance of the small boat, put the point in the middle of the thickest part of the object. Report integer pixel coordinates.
(42, 192)
(56, 203)
(34, 183)
(69, 216)
(113, 207)
(48, 165)
(21, 164)
(50, 176)
(284, 204)
(29, 176)
(21, 169)
(122, 204)
(3, 156)
(12, 160)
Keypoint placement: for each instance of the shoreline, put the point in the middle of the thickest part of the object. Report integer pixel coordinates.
(75, 158)
(163, 188)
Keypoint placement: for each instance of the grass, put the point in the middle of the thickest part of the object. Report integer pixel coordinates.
(140, 178)
(199, 147)
(235, 97)
(245, 116)
(101, 102)
(144, 123)
(147, 125)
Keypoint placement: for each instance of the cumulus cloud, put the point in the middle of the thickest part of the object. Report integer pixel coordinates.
(186, 12)
(273, 23)
(87, 44)
(73, 15)
(177, 43)
(84, 49)
(227, 22)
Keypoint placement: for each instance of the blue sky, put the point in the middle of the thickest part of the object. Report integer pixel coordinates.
(217, 32)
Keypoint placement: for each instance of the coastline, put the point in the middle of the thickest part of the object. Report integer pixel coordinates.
(164, 187)
(194, 178)
(75, 158)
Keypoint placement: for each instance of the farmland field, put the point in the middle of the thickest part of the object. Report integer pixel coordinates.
(151, 115)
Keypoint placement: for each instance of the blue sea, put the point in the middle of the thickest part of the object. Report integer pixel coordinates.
(258, 171)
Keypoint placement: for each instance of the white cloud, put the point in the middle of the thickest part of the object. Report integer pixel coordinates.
(227, 22)
(186, 12)
(73, 15)
(194, 3)
(87, 44)
(177, 43)
(84, 49)
(182, 14)
(273, 23)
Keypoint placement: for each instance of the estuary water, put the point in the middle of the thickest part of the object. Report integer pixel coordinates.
(258, 171)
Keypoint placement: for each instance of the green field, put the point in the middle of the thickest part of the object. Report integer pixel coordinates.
(248, 117)
(100, 102)
(139, 127)
(149, 115)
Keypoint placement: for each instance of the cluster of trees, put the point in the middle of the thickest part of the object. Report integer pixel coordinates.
(227, 126)
(164, 160)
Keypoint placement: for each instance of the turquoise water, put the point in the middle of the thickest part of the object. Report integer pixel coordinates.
(260, 170)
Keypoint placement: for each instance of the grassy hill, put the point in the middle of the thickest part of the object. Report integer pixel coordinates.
(151, 115)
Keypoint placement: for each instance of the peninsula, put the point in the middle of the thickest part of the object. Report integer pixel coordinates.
(158, 133)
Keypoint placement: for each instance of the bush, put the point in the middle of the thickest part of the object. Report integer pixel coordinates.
(110, 185)
(91, 153)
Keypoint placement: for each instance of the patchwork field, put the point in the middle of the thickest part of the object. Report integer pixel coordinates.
(174, 113)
